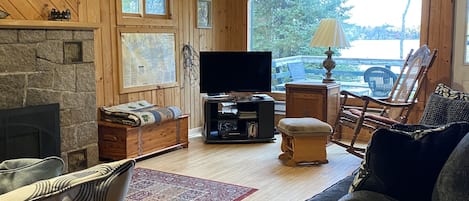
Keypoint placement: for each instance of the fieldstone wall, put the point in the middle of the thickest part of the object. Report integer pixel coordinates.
(33, 71)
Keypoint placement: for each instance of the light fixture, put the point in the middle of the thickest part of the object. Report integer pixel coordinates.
(329, 34)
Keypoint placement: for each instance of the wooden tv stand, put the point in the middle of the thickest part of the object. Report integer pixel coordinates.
(117, 141)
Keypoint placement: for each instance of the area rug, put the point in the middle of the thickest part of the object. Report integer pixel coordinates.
(153, 185)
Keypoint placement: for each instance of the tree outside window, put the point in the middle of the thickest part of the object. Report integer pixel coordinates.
(131, 6)
(156, 7)
(151, 7)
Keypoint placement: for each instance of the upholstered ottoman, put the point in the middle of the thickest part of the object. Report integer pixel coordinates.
(303, 140)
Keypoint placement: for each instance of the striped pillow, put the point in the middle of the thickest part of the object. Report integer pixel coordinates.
(108, 181)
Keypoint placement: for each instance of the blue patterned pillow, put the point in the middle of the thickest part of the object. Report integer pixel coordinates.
(405, 164)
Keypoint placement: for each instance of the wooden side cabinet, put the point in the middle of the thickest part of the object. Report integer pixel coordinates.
(313, 99)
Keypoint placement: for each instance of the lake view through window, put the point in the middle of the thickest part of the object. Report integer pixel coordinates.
(380, 32)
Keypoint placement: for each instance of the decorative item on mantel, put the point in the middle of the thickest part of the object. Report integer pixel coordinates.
(57, 15)
(329, 34)
(3, 14)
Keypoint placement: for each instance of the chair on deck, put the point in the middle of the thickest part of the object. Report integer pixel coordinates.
(297, 71)
(380, 80)
(373, 113)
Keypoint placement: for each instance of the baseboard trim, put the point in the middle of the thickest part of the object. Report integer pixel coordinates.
(195, 132)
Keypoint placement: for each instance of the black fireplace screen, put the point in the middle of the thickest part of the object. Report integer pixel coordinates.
(32, 131)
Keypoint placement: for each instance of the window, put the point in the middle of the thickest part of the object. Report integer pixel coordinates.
(465, 9)
(145, 8)
(460, 54)
(131, 6)
(381, 36)
(155, 7)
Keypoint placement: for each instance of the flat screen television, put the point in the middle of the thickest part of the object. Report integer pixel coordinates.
(235, 71)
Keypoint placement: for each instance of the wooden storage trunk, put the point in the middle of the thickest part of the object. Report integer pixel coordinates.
(117, 141)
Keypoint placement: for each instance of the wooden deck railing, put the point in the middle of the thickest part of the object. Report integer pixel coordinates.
(281, 75)
(338, 60)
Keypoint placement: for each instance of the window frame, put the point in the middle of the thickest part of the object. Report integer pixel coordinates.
(249, 43)
(141, 18)
(460, 53)
(461, 33)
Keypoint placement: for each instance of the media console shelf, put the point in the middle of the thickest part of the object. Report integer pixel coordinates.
(236, 120)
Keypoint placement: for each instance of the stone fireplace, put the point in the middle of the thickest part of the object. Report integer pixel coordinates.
(54, 66)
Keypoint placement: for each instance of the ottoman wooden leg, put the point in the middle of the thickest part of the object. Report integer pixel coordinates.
(286, 148)
(291, 163)
(283, 146)
(284, 156)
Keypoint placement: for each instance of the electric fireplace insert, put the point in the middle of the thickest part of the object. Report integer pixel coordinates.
(32, 131)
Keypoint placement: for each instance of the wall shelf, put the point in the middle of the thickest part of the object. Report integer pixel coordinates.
(45, 24)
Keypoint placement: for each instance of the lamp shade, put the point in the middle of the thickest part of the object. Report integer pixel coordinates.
(329, 34)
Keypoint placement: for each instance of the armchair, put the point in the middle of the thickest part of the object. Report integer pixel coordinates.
(389, 160)
(376, 113)
(103, 182)
(15, 173)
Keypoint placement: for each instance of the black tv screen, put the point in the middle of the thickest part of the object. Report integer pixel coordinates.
(235, 71)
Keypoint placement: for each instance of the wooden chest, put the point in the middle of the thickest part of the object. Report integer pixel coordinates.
(117, 141)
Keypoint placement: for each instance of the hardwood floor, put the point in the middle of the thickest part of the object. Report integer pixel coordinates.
(255, 165)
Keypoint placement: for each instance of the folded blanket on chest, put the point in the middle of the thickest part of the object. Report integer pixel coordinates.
(139, 113)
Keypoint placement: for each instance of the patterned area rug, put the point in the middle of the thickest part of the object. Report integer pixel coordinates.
(153, 185)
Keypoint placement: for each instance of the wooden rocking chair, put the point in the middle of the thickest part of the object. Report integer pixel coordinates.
(377, 113)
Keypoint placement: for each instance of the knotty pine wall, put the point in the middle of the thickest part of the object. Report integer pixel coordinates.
(38, 9)
(229, 32)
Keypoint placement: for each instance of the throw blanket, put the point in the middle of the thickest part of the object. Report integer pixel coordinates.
(139, 113)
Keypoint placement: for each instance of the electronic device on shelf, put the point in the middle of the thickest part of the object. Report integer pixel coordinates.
(226, 126)
(235, 71)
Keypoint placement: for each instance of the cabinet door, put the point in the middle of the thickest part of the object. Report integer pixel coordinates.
(332, 105)
(210, 120)
(266, 119)
(301, 104)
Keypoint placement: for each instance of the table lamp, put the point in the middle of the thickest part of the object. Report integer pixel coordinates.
(329, 34)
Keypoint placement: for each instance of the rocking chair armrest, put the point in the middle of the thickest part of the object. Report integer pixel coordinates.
(385, 103)
(401, 104)
(348, 93)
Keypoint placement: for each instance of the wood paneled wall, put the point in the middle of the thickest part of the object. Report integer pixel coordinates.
(38, 9)
(229, 32)
(437, 32)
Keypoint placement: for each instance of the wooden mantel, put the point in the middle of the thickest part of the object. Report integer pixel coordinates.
(44, 24)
